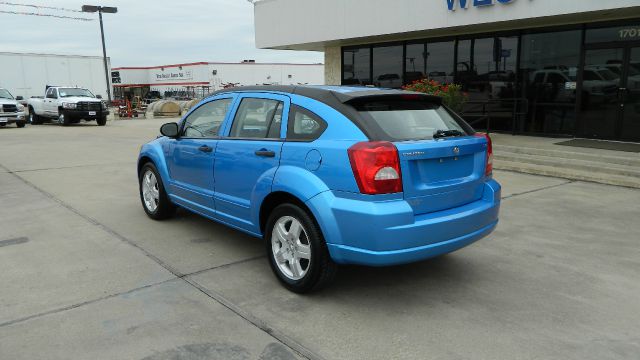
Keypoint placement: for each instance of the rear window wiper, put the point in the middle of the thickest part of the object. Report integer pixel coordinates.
(447, 133)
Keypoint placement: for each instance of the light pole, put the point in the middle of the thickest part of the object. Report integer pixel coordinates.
(100, 10)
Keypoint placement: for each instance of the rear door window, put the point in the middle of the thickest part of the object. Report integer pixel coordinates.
(402, 119)
(257, 119)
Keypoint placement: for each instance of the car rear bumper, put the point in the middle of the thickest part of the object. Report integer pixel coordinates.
(388, 233)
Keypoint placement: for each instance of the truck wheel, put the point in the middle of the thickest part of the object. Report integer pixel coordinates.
(63, 120)
(34, 119)
(102, 121)
(20, 124)
(296, 249)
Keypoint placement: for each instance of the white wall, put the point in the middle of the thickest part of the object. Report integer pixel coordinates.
(258, 74)
(173, 78)
(315, 24)
(28, 74)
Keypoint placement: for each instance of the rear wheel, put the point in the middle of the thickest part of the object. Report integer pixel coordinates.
(34, 119)
(155, 200)
(297, 251)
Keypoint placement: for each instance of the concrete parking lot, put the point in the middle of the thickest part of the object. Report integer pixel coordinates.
(84, 274)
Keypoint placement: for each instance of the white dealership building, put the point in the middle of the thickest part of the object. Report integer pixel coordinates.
(551, 67)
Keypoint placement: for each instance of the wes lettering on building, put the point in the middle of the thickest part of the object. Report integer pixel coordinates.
(464, 4)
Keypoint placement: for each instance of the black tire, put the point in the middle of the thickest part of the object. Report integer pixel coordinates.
(164, 209)
(34, 119)
(321, 270)
(20, 124)
(102, 121)
(63, 119)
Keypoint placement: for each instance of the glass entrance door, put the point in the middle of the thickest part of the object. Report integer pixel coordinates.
(610, 93)
(630, 98)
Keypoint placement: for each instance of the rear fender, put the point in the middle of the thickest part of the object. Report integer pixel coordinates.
(294, 180)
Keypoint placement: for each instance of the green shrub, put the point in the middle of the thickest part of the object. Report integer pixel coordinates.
(451, 94)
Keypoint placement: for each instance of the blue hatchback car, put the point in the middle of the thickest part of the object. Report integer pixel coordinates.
(327, 175)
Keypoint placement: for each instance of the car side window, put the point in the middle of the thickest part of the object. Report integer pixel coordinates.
(304, 125)
(257, 119)
(51, 94)
(555, 78)
(539, 79)
(205, 121)
(590, 75)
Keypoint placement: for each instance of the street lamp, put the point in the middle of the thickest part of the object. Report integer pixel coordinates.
(100, 10)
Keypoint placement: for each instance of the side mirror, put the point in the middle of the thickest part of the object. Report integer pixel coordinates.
(19, 98)
(169, 130)
(98, 96)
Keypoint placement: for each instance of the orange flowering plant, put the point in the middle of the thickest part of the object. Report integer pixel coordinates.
(452, 94)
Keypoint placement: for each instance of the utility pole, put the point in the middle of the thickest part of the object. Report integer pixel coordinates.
(100, 10)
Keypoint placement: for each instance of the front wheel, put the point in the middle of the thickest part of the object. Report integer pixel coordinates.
(20, 124)
(102, 121)
(155, 200)
(297, 251)
(63, 119)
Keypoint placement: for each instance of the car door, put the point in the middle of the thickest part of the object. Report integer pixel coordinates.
(248, 155)
(50, 103)
(190, 157)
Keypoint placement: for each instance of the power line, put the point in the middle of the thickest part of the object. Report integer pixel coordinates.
(46, 15)
(38, 6)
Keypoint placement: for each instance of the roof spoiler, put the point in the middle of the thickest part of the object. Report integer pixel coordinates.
(358, 96)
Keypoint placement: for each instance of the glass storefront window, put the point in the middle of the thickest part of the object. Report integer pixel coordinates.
(440, 61)
(356, 66)
(629, 32)
(464, 67)
(533, 91)
(489, 79)
(548, 74)
(387, 66)
(415, 63)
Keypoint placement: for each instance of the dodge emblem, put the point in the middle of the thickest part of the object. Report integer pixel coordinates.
(456, 150)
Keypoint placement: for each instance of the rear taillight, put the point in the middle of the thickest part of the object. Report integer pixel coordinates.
(376, 167)
(489, 167)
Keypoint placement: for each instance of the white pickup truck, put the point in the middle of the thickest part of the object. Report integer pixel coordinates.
(10, 110)
(67, 105)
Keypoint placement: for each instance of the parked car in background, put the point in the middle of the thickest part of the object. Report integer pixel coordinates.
(11, 111)
(326, 176)
(67, 105)
(388, 81)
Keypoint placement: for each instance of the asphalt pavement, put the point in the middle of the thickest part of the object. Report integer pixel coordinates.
(85, 274)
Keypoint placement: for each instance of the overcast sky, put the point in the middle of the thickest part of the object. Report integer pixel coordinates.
(144, 32)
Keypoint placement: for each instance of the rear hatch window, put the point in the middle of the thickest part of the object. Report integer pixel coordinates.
(442, 163)
(407, 117)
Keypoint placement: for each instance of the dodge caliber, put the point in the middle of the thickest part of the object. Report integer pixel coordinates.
(326, 176)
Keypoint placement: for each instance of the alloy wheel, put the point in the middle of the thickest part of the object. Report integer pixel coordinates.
(150, 191)
(291, 247)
